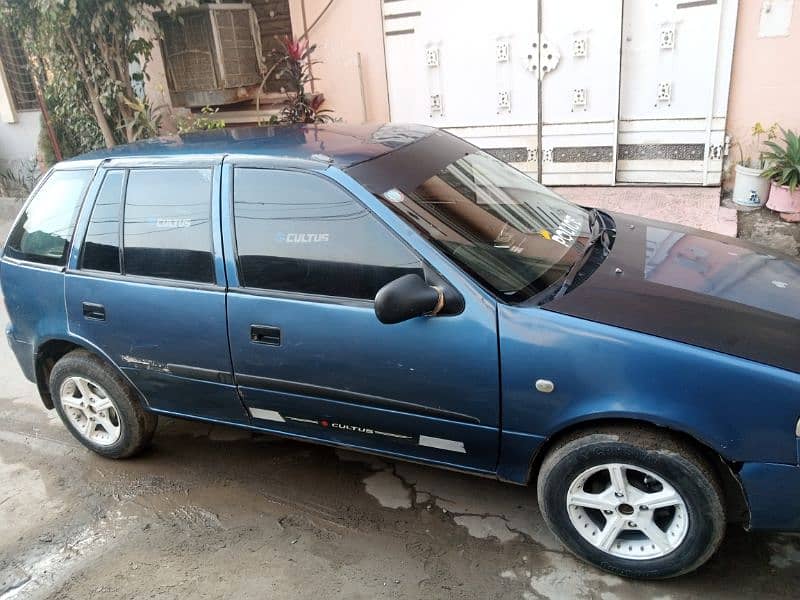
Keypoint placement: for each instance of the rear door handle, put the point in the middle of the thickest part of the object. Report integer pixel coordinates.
(96, 312)
(265, 334)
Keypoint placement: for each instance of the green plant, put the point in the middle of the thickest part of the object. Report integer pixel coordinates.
(19, 179)
(145, 120)
(783, 161)
(75, 128)
(756, 132)
(293, 69)
(205, 121)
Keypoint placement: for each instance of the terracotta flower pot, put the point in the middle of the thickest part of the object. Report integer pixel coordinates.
(785, 202)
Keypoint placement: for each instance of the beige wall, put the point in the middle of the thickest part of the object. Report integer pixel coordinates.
(765, 85)
(349, 27)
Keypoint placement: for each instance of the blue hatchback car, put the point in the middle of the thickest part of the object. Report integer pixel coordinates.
(395, 290)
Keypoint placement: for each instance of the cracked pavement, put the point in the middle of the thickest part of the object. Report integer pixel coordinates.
(215, 512)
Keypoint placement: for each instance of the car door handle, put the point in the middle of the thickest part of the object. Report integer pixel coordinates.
(265, 334)
(96, 312)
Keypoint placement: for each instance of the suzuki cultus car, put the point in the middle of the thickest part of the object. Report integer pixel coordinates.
(395, 290)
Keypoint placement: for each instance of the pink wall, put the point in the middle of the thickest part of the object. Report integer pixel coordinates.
(349, 27)
(765, 85)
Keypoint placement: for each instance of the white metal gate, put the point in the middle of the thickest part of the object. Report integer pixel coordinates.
(574, 91)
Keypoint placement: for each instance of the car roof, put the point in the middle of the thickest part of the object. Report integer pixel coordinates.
(340, 144)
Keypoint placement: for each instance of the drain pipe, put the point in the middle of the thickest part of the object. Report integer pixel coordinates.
(305, 35)
(307, 28)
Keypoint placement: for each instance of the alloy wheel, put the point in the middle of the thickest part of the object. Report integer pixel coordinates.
(90, 410)
(627, 511)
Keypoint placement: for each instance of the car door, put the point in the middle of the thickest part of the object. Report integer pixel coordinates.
(145, 289)
(305, 258)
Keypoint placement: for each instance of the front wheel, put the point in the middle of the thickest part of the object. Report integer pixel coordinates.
(632, 502)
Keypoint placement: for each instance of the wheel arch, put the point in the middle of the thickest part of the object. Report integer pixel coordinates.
(50, 351)
(737, 507)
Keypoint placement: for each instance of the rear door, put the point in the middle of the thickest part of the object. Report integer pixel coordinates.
(146, 290)
(310, 357)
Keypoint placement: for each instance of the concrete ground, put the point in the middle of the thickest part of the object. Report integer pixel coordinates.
(693, 206)
(215, 512)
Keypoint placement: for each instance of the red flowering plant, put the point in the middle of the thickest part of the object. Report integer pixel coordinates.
(292, 69)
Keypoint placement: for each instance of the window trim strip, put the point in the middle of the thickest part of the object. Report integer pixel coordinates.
(304, 297)
(30, 263)
(147, 280)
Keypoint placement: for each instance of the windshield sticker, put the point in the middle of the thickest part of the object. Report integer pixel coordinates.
(507, 241)
(567, 231)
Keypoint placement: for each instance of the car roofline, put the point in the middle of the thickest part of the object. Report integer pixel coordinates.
(320, 162)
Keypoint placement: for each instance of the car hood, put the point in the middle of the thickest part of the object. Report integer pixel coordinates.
(695, 287)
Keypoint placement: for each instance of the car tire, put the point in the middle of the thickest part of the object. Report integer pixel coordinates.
(594, 488)
(99, 407)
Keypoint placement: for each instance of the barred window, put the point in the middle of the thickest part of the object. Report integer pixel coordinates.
(18, 73)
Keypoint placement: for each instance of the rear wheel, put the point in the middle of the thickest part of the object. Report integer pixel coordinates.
(99, 407)
(632, 502)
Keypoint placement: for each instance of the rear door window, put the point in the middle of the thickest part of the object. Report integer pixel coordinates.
(44, 230)
(299, 232)
(101, 245)
(167, 228)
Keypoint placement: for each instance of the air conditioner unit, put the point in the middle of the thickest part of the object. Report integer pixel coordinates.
(212, 54)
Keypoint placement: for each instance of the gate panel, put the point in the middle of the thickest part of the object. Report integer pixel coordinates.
(676, 61)
(632, 91)
(468, 66)
(580, 92)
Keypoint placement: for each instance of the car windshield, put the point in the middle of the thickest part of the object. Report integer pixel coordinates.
(512, 234)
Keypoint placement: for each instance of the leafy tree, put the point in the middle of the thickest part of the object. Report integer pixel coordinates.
(93, 43)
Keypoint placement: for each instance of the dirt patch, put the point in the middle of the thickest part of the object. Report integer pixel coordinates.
(765, 227)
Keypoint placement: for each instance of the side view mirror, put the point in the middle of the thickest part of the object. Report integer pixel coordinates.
(405, 298)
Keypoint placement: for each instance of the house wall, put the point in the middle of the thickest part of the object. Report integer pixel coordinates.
(19, 130)
(18, 141)
(157, 91)
(764, 83)
(348, 28)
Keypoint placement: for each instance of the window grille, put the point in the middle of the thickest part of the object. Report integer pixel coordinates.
(18, 72)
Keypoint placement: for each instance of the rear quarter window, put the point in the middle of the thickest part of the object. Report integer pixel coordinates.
(44, 230)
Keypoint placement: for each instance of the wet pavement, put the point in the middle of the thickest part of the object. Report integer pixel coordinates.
(216, 512)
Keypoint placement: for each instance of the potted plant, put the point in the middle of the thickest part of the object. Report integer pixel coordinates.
(751, 188)
(783, 169)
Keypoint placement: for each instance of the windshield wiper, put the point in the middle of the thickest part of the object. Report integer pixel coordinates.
(599, 235)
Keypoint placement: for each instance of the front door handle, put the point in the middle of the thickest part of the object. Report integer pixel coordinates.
(265, 334)
(95, 312)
